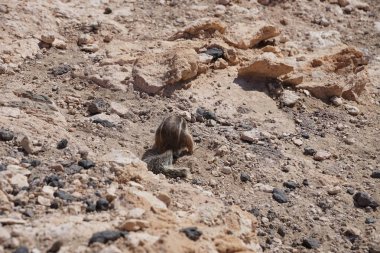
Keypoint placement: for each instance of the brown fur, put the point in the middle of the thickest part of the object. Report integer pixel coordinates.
(173, 134)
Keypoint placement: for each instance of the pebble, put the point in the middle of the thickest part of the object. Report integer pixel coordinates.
(62, 144)
(291, 184)
(55, 247)
(106, 236)
(63, 195)
(349, 141)
(102, 205)
(375, 174)
(310, 243)
(85, 39)
(206, 114)
(20, 181)
(340, 127)
(321, 155)
(251, 136)
(86, 164)
(305, 182)
(21, 249)
(61, 69)
(337, 101)
(334, 190)
(363, 199)
(281, 231)
(97, 106)
(279, 195)
(134, 225)
(54, 181)
(4, 235)
(215, 52)
(245, 177)
(107, 10)
(91, 48)
(226, 170)
(352, 110)
(48, 38)
(3, 167)
(43, 201)
(297, 142)
(289, 98)
(164, 198)
(192, 233)
(6, 135)
(309, 151)
(370, 220)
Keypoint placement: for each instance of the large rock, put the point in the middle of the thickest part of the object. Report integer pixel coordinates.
(200, 28)
(246, 36)
(152, 72)
(266, 65)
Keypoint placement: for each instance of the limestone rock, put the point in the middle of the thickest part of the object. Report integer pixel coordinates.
(151, 73)
(266, 65)
(246, 36)
(200, 28)
(48, 38)
(289, 98)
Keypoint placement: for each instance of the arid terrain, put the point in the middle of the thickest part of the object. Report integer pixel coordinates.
(282, 99)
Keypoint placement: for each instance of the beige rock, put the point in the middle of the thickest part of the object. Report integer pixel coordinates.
(289, 98)
(85, 39)
(149, 198)
(48, 38)
(152, 73)
(322, 155)
(26, 145)
(334, 190)
(48, 191)
(19, 180)
(119, 109)
(164, 198)
(5, 235)
(245, 36)
(90, 48)
(136, 213)
(266, 65)
(141, 238)
(3, 198)
(60, 44)
(200, 28)
(253, 135)
(134, 225)
(43, 201)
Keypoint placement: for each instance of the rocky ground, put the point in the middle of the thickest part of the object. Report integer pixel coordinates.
(282, 99)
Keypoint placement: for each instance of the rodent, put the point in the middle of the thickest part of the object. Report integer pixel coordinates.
(173, 134)
(163, 163)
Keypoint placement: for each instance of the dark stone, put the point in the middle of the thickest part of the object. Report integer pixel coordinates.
(35, 163)
(363, 199)
(245, 177)
(36, 97)
(215, 52)
(97, 106)
(309, 151)
(370, 220)
(91, 207)
(62, 144)
(305, 182)
(192, 233)
(106, 236)
(86, 164)
(60, 70)
(21, 249)
(3, 167)
(55, 247)
(6, 135)
(310, 243)
(63, 195)
(107, 10)
(281, 231)
(255, 211)
(291, 184)
(54, 204)
(279, 195)
(206, 114)
(28, 213)
(350, 190)
(375, 174)
(73, 169)
(102, 205)
(104, 122)
(54, 181)
(305, 135)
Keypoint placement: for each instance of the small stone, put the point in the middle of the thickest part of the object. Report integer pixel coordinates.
(97, 106)
(106, 236)
(375, 174)
(305, 182)
(352, 234)
(297, 142)
(192, 233)
(349, 141)
(54, 181)
(20, 181)
(291, 184)
(252, 135)
(85, 39)
(310, 243)
(264, 187)
(334, 190)
(340, 127)
(164, 198)
(107, 10)
(279, 195)
(134, 225)
(64, 195)
(363, 199)
(370, 220)
(289, 98)
(350, 190)
(48, 38)
(43, 201)
(321, 155)
(206, 114)
(6, 135)
(3, 167)
(102, 205)
(62, 144)
(55, 247)
(86, 164)
(21, 249)
(337, 101)
(215, 52)
(91, 48)
(60, 44)
(352, 110)
(226, 170)
(309, 151)
(60, 69)
(281, 231)
(245, 177)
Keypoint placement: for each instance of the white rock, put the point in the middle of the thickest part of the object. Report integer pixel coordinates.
(251, 135)
(48, 191)
(322, 155)
(43, 201)
(264, 187)
(48, 38)
(334, 190)
(226, 170)
(297, 142)
(119, 109)
(19, 180)
(337, 101)
(352, 110)
(289, 98)
(135, 213)
(4, 235)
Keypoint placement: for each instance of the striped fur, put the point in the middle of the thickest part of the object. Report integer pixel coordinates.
(173, 134)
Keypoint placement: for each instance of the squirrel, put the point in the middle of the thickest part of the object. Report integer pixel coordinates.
(171, 140)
